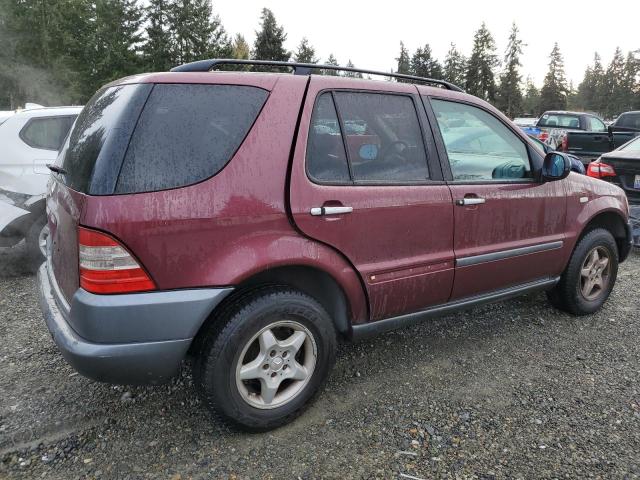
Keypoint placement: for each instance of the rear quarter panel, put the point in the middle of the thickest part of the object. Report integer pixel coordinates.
(223, 230)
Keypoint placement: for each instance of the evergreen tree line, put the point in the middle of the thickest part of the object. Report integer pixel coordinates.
(61, 52)
(606, 92)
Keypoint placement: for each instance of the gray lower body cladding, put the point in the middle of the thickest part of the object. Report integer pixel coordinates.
(126, 339)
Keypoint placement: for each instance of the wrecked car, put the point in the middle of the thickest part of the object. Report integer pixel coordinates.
(29, 140)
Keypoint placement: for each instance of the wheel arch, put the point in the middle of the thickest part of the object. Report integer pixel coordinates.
(311, 280)
(614, 223)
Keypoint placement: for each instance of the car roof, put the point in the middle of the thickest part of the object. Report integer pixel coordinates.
(265, 80)
(48, 112)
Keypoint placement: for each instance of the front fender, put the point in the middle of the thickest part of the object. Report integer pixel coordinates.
(580, 215)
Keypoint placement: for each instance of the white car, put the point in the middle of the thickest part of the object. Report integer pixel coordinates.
(29, 140)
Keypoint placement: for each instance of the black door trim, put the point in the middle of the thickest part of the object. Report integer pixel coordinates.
(501, 255)
(367, 330)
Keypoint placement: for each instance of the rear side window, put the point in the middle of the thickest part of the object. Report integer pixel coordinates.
(46, 133)
(380, 134)
(92, 153)
(187, 133)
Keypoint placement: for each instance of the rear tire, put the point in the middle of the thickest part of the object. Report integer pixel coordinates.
(590, 275)
(36, 239)
(263, 360)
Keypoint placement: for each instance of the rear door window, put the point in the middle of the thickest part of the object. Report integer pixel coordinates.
(360, 137)
(186, 134)
(46, 133)
(383, 137)
(326, 157)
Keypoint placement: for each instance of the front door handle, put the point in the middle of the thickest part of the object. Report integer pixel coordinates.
(463, 202)
(317, 211)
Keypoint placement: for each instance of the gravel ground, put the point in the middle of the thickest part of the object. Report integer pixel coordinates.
(512, 390)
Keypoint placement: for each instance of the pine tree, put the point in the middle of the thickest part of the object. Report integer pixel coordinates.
(509, 93)
(404, 61)
(305, 53)
(592, 89)
(331, 61)
(455, 66)
(116, 42)
(614, 84)
(553, 95)
(572, 97)
(423, 64)
(197, 33)
(157, 49)
(240, 48)
(631, 82)
(480, 79)
(352, 74)
(45, 50)
(531, 100)
(269, 44)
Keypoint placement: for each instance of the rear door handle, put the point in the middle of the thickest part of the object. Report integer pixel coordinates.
(317, 211)
(463, 202)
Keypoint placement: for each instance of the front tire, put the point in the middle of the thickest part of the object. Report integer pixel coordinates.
(590, 276)
(265, 358)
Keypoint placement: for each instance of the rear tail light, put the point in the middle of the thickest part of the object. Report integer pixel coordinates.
(600, 170)
(107, 267)
(544, 136)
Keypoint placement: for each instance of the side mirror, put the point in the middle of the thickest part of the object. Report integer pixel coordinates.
(556, 166)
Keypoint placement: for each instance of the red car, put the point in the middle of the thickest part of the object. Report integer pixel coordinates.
(250, 219)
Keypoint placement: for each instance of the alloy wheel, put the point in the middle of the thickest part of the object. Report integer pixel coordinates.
(595, 273)
(42, 240)
(276, 364)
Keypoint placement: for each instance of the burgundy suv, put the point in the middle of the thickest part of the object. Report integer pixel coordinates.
(250, 219)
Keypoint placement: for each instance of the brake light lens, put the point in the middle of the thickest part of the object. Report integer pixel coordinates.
(544, 136)
(107, 267)
(600, 170)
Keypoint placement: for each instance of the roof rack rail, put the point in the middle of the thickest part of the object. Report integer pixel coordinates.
(304, 69)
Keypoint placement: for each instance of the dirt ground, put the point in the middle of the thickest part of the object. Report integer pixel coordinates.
(512, 390)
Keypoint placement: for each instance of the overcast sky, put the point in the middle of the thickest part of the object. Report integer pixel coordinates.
(369, 32)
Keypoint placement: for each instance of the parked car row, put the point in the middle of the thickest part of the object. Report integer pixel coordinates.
(581, 134)
(29, 140)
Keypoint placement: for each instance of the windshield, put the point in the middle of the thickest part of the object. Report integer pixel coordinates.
(632, 146)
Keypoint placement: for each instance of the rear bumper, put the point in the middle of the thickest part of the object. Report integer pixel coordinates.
(153, 331)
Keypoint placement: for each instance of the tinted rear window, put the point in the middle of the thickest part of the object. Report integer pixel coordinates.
(92, 153)
(187, 133)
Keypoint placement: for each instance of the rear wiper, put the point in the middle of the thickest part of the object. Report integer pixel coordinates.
(56, 169)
